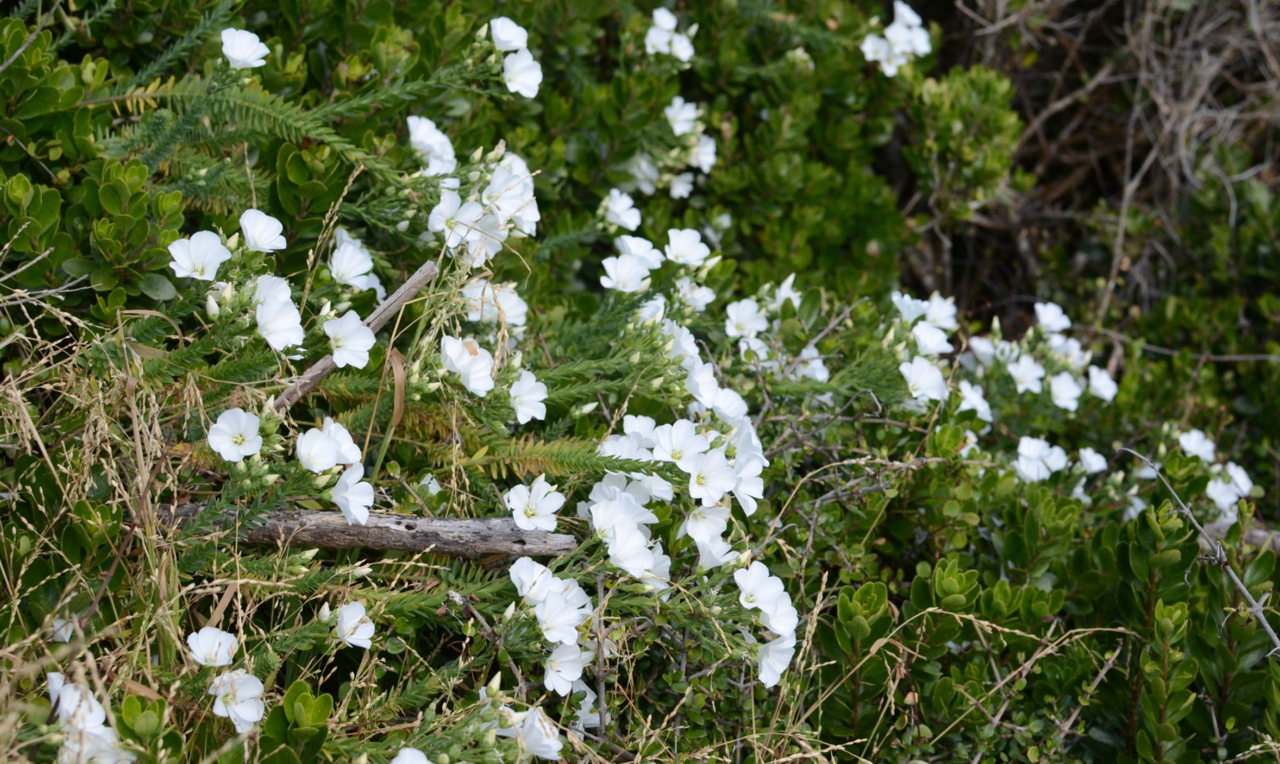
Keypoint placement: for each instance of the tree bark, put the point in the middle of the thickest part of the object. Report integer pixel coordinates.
(462, 537)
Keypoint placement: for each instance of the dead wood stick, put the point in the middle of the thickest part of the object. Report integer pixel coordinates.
(459, 536)
(1258, 537)
(376, 320)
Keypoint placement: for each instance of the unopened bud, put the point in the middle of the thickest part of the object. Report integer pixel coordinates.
(361, 571)
(495, 685)
(211, 306)
(324, 613)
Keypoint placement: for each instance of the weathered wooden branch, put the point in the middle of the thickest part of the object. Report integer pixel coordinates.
(376, 320)
(459, 536)
(1253, 537)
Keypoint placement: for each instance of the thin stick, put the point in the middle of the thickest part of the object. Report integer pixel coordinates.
(1218, 557)
(376, 320)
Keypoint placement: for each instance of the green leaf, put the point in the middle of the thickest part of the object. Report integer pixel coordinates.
(157, 287)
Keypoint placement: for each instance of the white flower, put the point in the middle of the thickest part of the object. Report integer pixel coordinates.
(493, 302)
(1051, 317)
(679, 443)
(354, 626)
(685, 247)
(564, 667)
(539, 737)
(774, 658)
(243, 49)
(782, 618)
(909, 307)
(1027, 374)
(930, 340)
(348, 451)
(640, 428)
(212, 647)
(714, 553)
(696, 296)
(682, 115)
(682, 48)
(758, 588)
(1240, 479)
(972, 398)
(532, 580)
(527, 396)
(710, 477)
(534, 507)
(1092, 461)
(235, 435)
(457, 221)
(237, 695)
(657, 40)
(507, 35)
(629, 550)
(744, 319)
(350, 340)
(785, 293)
(1196, 443)
(77, 708)
(640, 248)
(659, 574)
(262, 233)
(625, 273)
(350, 265)
(63, 629)
(620, 210)
(705, 523)
(1101, 384)
(1037, 460)
(353, 496)
(644, 173)
(471, 362)
(924, 380)
(941, 312)
(270, 288)
(1065, 391)
(522, 74)
(280, 324)
(1069, 350)
(681, 186)
(812, 365)
(410, 756)
(750, 487)
(198, 257)
(317, 451)
(558, 618)
(876, 49)
(704, 153)
(433, 145)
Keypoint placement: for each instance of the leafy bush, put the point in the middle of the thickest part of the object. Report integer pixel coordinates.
(315, 331)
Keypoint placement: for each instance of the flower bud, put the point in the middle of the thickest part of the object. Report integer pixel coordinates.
(211, 306)
(495, 685)
(324, 613)
(402, 226)
(361, 571)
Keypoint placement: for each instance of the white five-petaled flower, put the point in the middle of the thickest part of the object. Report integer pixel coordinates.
(681, 185)
(354, 626)
(972, 398)
(558, 618)
(682, 115)
(522, 73)
(629, 550)
(1196, 443)
(744, 318)
(625, 273)
(527, 396)
(1037, 460)
(212, 647)
(1065, 391)
(235, 435)
(270, 288)
(237, 695)
(620, 210)
(680, 443)
(433, 145)
(564, 667)
(532, 580)
(279, 323)
(262, 233)
(750, 487)
(534, 507)
(348, 451)
(351, 264)
(774, 658)
(1052, 317)
(924, 380)
(410, 756)
(641, 248)
(1101, 384)
(1026, 374)
(930, 340)
(685, 247)
(471, 362)
(1092, 461)
(704, 153)
(705, 523)
(694, 295)
(759, 589)
(941, 312)
(243, 49)
(350, 340)
(710, 477)
(353, 496)
(909, 307)
(538, 735)
(198, 257)
(507, 35)
(317, 451)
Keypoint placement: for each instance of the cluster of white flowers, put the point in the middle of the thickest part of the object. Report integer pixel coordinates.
(764, 592)
(1230, 483)
(83, 722)
(904, 39)
(520, 71)
(663, 38)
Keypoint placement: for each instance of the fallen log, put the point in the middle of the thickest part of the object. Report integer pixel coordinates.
(458, 536)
